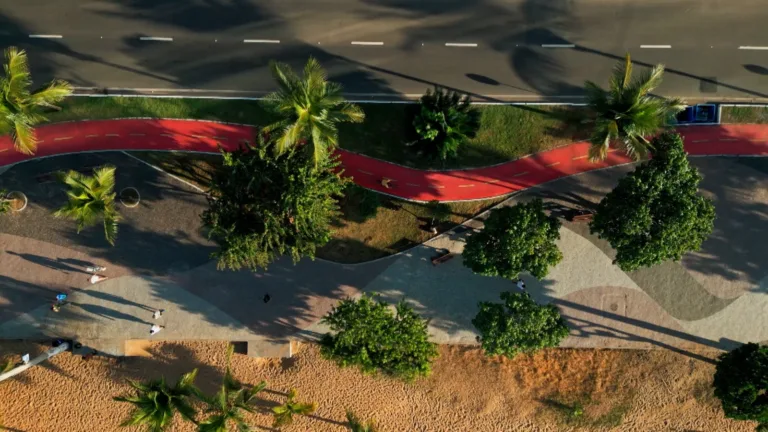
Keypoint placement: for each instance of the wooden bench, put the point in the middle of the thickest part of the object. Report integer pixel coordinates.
(442, 258)
(583, 216)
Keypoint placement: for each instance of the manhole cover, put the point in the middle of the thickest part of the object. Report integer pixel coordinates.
(615, 304)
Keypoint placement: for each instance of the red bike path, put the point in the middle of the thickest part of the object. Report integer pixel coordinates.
(409, 183)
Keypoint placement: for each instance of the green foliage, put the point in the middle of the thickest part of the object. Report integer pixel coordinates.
(155, 402)
(91, 198)
(367, 202)
(627, 112)
(284, 413)
(655, 212)
(518, 325)
(445, 121)
(369, 335)
(5, 203)
(357, 425)
(515, 239)
(20, 108)
(264, 205)
(227, 405)
(741, 383)
(309, 109)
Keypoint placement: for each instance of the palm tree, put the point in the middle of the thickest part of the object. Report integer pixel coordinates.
(626, 113)
(156, 403)
(5, 204)
(309, 108)
(356, 425)
(226, 405)
(284, 413)
(20, 109)
(91, 198)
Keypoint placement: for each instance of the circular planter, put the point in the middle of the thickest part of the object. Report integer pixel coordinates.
(18, 200)
(130, 197)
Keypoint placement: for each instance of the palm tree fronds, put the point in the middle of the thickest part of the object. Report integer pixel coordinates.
(56, 91)
(24, 139)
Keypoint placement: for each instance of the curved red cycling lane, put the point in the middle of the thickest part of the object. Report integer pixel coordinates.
(409, 183)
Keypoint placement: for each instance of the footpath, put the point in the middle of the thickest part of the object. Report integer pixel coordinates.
(407, 183)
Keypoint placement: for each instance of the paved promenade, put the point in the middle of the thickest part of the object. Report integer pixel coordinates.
(711, 299)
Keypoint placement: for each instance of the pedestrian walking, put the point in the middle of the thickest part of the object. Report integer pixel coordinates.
(60, 298)
(97, 278)
(155, 329)
(56, 307)
(158, 313)
(95, 269)
(385, 182)
(521, 284)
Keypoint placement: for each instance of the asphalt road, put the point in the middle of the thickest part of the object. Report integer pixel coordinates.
(508, 51)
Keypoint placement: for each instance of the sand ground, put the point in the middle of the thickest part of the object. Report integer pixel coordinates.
(621, 390)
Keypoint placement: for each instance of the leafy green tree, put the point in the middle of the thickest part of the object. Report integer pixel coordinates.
(519, 325)
(263, 205)
(515, 239)
(91, 198)
(741, 383)
(357, 425)
(284, 413)
(309, 109)
(155, 402)
(655, 213)
(626, 113)
(21, 108)
(445, 121)
(366, 333)
(226, 407)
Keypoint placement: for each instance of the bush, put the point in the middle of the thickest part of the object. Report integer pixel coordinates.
(515, 239)
(741, 383)
(445, 121)
(655, 213)
(368, 334)
(518, 325)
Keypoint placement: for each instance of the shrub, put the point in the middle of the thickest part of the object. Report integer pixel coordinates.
(518, 325)
(366, 333)
(515, 239)
(741, 383)
(655, 213)
(445, 121)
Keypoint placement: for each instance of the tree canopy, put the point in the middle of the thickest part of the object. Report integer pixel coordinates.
(741, 383)
(655, 213)
(626, 113)
(518, 325)
(515, 239)
(308, 108)
(263, 205)
(22, 108)
(366, 333)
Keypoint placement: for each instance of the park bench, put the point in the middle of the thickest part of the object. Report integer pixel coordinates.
(582, 216)
(442, 258)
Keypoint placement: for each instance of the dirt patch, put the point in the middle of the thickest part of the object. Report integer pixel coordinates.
(621, 390)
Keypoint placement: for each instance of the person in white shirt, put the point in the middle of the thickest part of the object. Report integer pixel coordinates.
(155, 329)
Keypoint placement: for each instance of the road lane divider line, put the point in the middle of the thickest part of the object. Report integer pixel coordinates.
(656, 46)
(580, 157)
(552, 164)
(365, 172)
(467, 185)
(698, 141)
(263, 41)
(91, 136)
(221, 138)
(45, 36)
(367, 43)
(456, 44)
(558, 45)
(493, 181)
(520, 174)
(412, 184)
(137, 134)
(167, 135)
(156, 39)
(4, 150)
(747, 47)
(112, 135)
(62, 138)
(728, 139)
